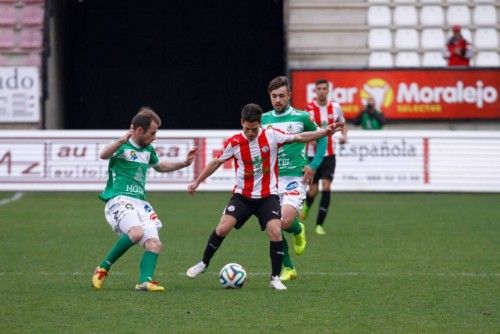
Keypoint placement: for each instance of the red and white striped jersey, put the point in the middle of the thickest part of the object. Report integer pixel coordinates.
(322, 116)
(255, 162)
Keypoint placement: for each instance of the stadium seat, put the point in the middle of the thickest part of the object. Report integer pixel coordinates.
(433, 59)
(8, 15)
(380, 39)
(34, 59)
(380, 59)
(432, 39)
(405, 16)
(430, 1)
(458, 15)
(407, 59)
(486, 38)
(30, 39)
(406, 39)
(405, 1)
(484, 16)
(432, 16)
(487, 58)
(7, 39)
(379, 16)
(32, 15)
(466, 34)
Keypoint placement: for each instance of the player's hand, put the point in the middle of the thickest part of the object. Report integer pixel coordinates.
(333, 127)
(123, 139)
(190, 156)
(192, 188)
(308, 175)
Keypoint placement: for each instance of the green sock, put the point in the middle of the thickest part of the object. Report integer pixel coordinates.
(148, 265)
(295, 228)
(287, 260)
(119, 248)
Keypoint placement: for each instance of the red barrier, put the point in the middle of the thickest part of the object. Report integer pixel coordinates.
(407, 94)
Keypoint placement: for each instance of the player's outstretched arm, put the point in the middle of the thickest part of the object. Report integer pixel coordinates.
(313, 135)
(109, 149)
(209, 169)
(165, 167)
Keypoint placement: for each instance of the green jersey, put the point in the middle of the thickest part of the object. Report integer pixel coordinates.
(291, 157)
(127, 170)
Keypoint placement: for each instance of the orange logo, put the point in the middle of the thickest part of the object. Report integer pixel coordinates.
(379, 90)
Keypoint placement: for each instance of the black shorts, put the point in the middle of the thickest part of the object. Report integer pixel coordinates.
(325, 170)
(242, 208)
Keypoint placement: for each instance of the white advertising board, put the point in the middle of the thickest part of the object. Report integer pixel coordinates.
(461, 161)
(19, 94)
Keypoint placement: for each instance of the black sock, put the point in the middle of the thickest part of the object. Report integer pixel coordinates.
(276, 253)
(309, 200)
(323, 207)
(212, 245)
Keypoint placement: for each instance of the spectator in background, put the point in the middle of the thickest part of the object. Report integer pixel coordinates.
(458, 50)
(370, 118)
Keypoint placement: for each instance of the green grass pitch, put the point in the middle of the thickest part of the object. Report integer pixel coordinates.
(389, 263)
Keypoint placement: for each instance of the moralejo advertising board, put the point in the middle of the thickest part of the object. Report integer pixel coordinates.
(463, 161)
(407, 94)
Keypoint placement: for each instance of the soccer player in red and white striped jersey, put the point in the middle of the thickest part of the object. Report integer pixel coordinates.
(323, 111)
(255, 154)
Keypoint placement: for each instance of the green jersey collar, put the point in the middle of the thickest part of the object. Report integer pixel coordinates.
(287, 111)
(134, 144)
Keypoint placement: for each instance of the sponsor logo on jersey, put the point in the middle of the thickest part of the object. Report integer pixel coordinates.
(292, 185)
(293, 193)
(133, 155)
(132, 188)
(283, 162)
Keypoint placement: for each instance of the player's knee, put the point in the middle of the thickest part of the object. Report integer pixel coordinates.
(223, 229)
(135, 234)
(153, 245)
(225, 225)
(274, 230)
(286, 222)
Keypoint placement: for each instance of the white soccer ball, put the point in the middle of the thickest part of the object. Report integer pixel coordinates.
(232, 276)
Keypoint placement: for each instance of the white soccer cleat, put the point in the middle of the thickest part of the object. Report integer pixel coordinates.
(196, 270)
(276, 283)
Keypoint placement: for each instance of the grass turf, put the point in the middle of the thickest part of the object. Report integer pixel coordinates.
(393, 263)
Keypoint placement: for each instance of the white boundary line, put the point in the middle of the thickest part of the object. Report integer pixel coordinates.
(15, 197)
(348, 273)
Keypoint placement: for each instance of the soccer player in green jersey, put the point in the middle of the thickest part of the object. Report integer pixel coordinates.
(126, 210)
(295, 171)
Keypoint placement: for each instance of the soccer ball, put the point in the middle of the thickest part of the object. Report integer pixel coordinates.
(232, 276)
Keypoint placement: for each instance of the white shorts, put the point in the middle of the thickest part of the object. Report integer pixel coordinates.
(123, 213)
(292, 191)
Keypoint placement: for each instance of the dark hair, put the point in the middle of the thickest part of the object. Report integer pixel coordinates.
(144, 118)
(321, 81)
(251, 113)
(277, 83)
